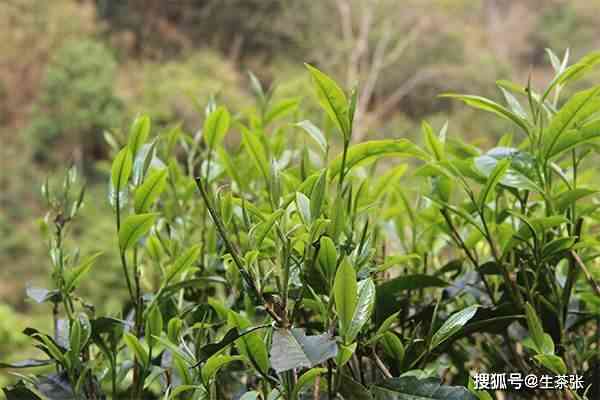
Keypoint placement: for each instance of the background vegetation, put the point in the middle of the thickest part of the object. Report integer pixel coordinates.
(74, 73)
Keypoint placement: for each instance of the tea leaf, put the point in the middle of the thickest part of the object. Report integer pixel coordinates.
(573, 72)
(133, 228)
(138, 133)
(345, 294)
(492, 180)
(328, 256)
(542, 341)
(256, 151)
(488, 105)
(215, 363)
(182, 263)
(74, 275)
(375, 149)
(141, 354)
(150, 190)
(121, 169)
(552, 362)
(250, 343)
(154, 325)
(317, 196)
(216, 126)
(332, 99)
(433, 143)
(305, 379)
(315, 133)
(579, 107)
(574, 137)
(364, 308)
(281, 109)
(452, 325)
(303, 207)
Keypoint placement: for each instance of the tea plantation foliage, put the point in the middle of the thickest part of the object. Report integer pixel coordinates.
(261, 264)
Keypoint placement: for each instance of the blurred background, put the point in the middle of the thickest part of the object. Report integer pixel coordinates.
(71, 70)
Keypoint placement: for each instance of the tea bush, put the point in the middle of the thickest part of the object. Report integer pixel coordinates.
(278, 269)
(77, 100)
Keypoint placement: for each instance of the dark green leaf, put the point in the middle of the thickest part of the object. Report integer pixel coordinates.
(452, 325)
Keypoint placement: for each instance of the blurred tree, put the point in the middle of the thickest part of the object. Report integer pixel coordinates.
(77, 101)
(163, 28)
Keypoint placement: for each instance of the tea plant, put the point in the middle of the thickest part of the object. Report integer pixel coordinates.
(274, 269)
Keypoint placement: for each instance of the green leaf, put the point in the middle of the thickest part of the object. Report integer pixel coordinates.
(215, 363)
(281, 109)
(154, 325)
(250, 343)
(345, 294)
(577, 109)
(567, 198)
(552, 362)
(263, 228)
(138, 134)
(411, 282)
(121, 169)
(520, 174)
(543, 342)
(514, 104)
(493, 180)
(573, 72)
(452, 325)
(351, 389)
(434, 144)
(317, 196)
(364, 308)
(373, 150)
(215, 127)
(136, 348)
(150, 190)
(574, 137)
(393, 346)
(412, 388)
(182, 263)
(481, 394)
(292, 348)
(74, 275)
(344, 354)
(332, 99)
(256, 151)
(303, 207)
(315, 133)
(133, 228)
(328, 256)
(305, 379)
(75, 338)
(488, 105)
